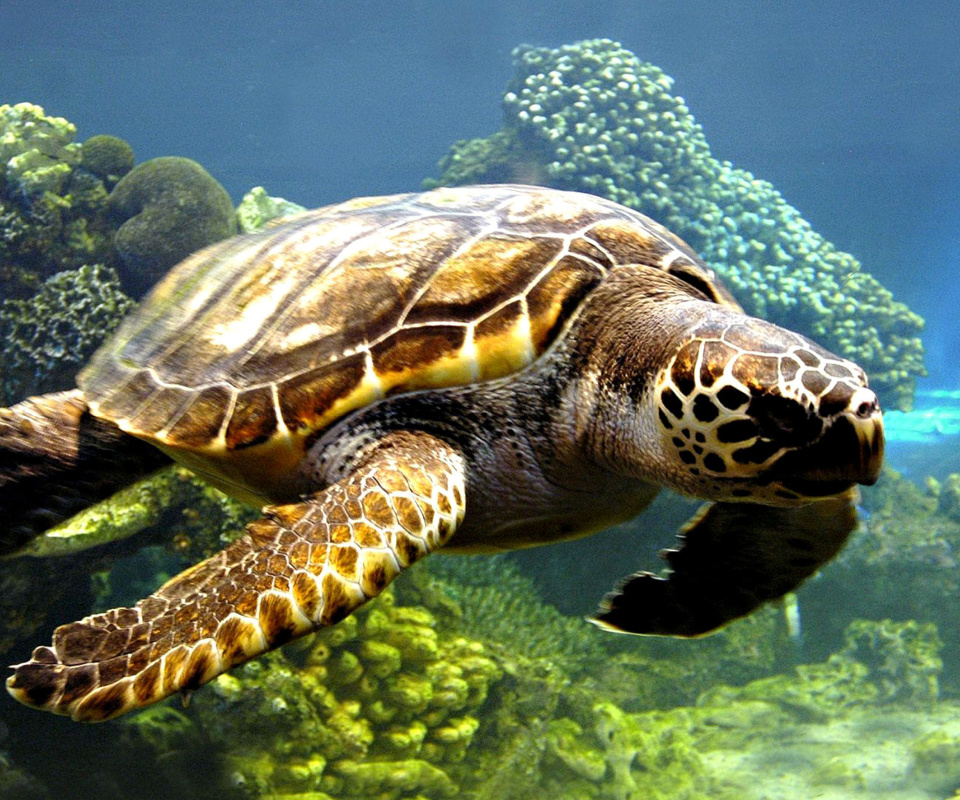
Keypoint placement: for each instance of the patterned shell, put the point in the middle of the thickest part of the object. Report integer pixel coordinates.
(272, 336)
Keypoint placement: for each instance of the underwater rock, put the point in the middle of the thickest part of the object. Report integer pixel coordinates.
(903, 658)
(169, 207)
(936, 761)
(592, 117)
(46, 338)
(258, 208)
(107, 157)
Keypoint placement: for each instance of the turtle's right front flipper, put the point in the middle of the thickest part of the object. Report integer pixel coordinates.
(734, 557)
(56, 459)
(301, 567)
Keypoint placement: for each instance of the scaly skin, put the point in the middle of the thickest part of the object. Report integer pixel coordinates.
(302, 567)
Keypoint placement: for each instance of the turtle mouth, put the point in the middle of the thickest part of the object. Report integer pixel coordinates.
(850, 451)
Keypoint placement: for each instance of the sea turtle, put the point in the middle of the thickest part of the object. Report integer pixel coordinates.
(478, 368)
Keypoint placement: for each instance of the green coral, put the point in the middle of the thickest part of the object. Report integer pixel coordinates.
(169, 207)
(53, 213)
(382, 706)
(258, 208)
(593, 117)
(107, 157)
(45, 339)
(38, 151)
(496, 603)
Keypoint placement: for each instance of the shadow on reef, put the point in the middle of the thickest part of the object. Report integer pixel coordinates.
(476, 676)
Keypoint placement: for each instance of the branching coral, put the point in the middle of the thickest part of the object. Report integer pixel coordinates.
(52, 209)
(593, 117)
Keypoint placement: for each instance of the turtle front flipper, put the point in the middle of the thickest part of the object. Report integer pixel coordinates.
(301, 567)
(733, 558)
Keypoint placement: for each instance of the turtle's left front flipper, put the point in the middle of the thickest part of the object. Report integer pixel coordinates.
(299, 568)
(733, 558)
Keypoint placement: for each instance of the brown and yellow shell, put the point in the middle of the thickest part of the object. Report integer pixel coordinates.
(257, 343)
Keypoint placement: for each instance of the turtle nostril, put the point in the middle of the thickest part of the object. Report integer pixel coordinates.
(865, 404)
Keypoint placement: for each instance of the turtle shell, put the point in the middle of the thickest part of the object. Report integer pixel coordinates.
(254, 345)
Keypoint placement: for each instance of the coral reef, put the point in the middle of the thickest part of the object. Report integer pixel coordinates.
(53, 210)
(168, 207)
(258, 208)
(592, 117)
(46, 338)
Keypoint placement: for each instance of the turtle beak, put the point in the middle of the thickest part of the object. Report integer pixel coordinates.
(849, 451)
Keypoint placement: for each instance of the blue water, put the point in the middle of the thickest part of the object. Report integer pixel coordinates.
(850, 109)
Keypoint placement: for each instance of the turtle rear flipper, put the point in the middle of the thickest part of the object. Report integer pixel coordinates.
(302, 567)
(56, 459)
(733, 558)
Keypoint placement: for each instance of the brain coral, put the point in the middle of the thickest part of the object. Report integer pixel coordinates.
(170, 207)
(593, 117)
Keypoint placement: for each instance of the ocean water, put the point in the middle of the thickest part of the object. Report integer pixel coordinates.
(808, 151)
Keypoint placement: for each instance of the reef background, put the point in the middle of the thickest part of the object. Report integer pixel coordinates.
(477, 676)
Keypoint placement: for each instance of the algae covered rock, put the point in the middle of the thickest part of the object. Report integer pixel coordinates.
(168, 207)
(593, 117)
(903, 658)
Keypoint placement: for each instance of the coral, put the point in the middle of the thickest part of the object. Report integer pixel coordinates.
(53, 212)
(812, 692)
(947, 495)
(258, 208)
(169, 207)
(45, 339)
(107, 157)
(593, 117)
(38, 151)
(383, 705)
(881, 663)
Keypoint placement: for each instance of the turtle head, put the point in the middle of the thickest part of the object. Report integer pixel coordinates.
(748, 410)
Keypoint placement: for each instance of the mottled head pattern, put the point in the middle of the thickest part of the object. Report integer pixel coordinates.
(754, 411)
